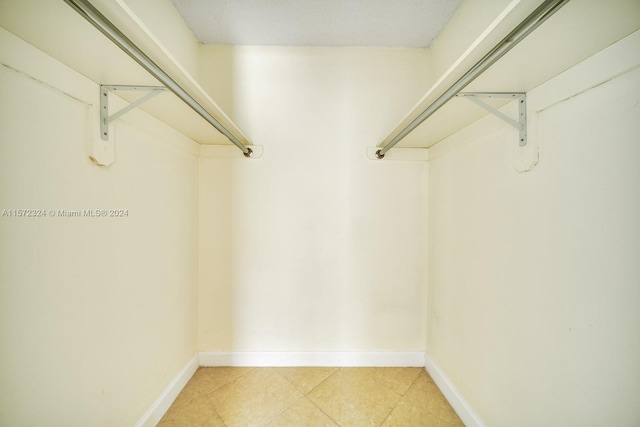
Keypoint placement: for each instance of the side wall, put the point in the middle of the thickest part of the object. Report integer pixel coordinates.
(97, 315)
(534, 278)
(313, 247)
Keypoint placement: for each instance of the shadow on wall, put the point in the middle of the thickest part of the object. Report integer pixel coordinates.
(292, 257)
(216, 71)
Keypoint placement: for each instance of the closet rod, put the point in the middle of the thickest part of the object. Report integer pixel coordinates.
(106, 27)
(530, 23)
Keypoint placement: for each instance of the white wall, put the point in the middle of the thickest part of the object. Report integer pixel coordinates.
(97, 315)
(534, 278)
(313, 247)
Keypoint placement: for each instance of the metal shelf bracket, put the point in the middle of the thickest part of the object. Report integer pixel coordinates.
(520, 124)
(105, 118)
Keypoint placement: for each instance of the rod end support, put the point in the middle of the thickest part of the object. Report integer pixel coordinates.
(249, 153)
(379, 154)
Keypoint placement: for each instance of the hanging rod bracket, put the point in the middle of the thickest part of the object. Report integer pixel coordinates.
(522, 30)
(106, 27)
(520, 124)
(105, 118)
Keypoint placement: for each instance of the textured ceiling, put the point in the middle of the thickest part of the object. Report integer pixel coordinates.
(379, 23)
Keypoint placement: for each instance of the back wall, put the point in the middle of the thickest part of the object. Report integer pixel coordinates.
(313, 247)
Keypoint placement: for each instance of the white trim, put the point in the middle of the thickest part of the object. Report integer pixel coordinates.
(452, 394)
(160, 406)
(324, 358)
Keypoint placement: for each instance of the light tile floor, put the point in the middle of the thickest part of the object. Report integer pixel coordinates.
(299, 397)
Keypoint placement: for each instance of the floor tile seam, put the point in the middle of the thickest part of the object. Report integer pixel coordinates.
(269, 369)
(416, 380)
(210, 403)
(389, 414)
(188, 403)
(414, 407)
(323, 411)
(383, 385)
(427, 410)
(314, 387)
(197, 394)
(230, 382)
(384, 405)
(302, 396)
(390, 411)
(419, 371)
(237, 378)
(271, 420)
(386, 386)
(439, 397)
(176, 407)
(205, 393)
(364, 394)
(440, 418)
(305, 395)
(216, 411)
(275, 370)
(338, 369)
(388, 389)
(290, 382)
(428, 376)
(369, 400)
(248, 368)
(423, 409)
(210, 398)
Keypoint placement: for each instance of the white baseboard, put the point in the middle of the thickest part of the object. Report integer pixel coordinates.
(324, 358)
(451, 393)
(157, 410)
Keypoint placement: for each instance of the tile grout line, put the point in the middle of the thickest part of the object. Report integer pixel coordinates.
(251, 368)
(318, 385)
(321, 382)
(440, 397)
(322, 410)
(305, 395)
(370, 375)
(389, 414)
(187, 402)
(215, 410)
(290, 406)
(402, 396)
(389, 388)
(304, 367)
(207, 394)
